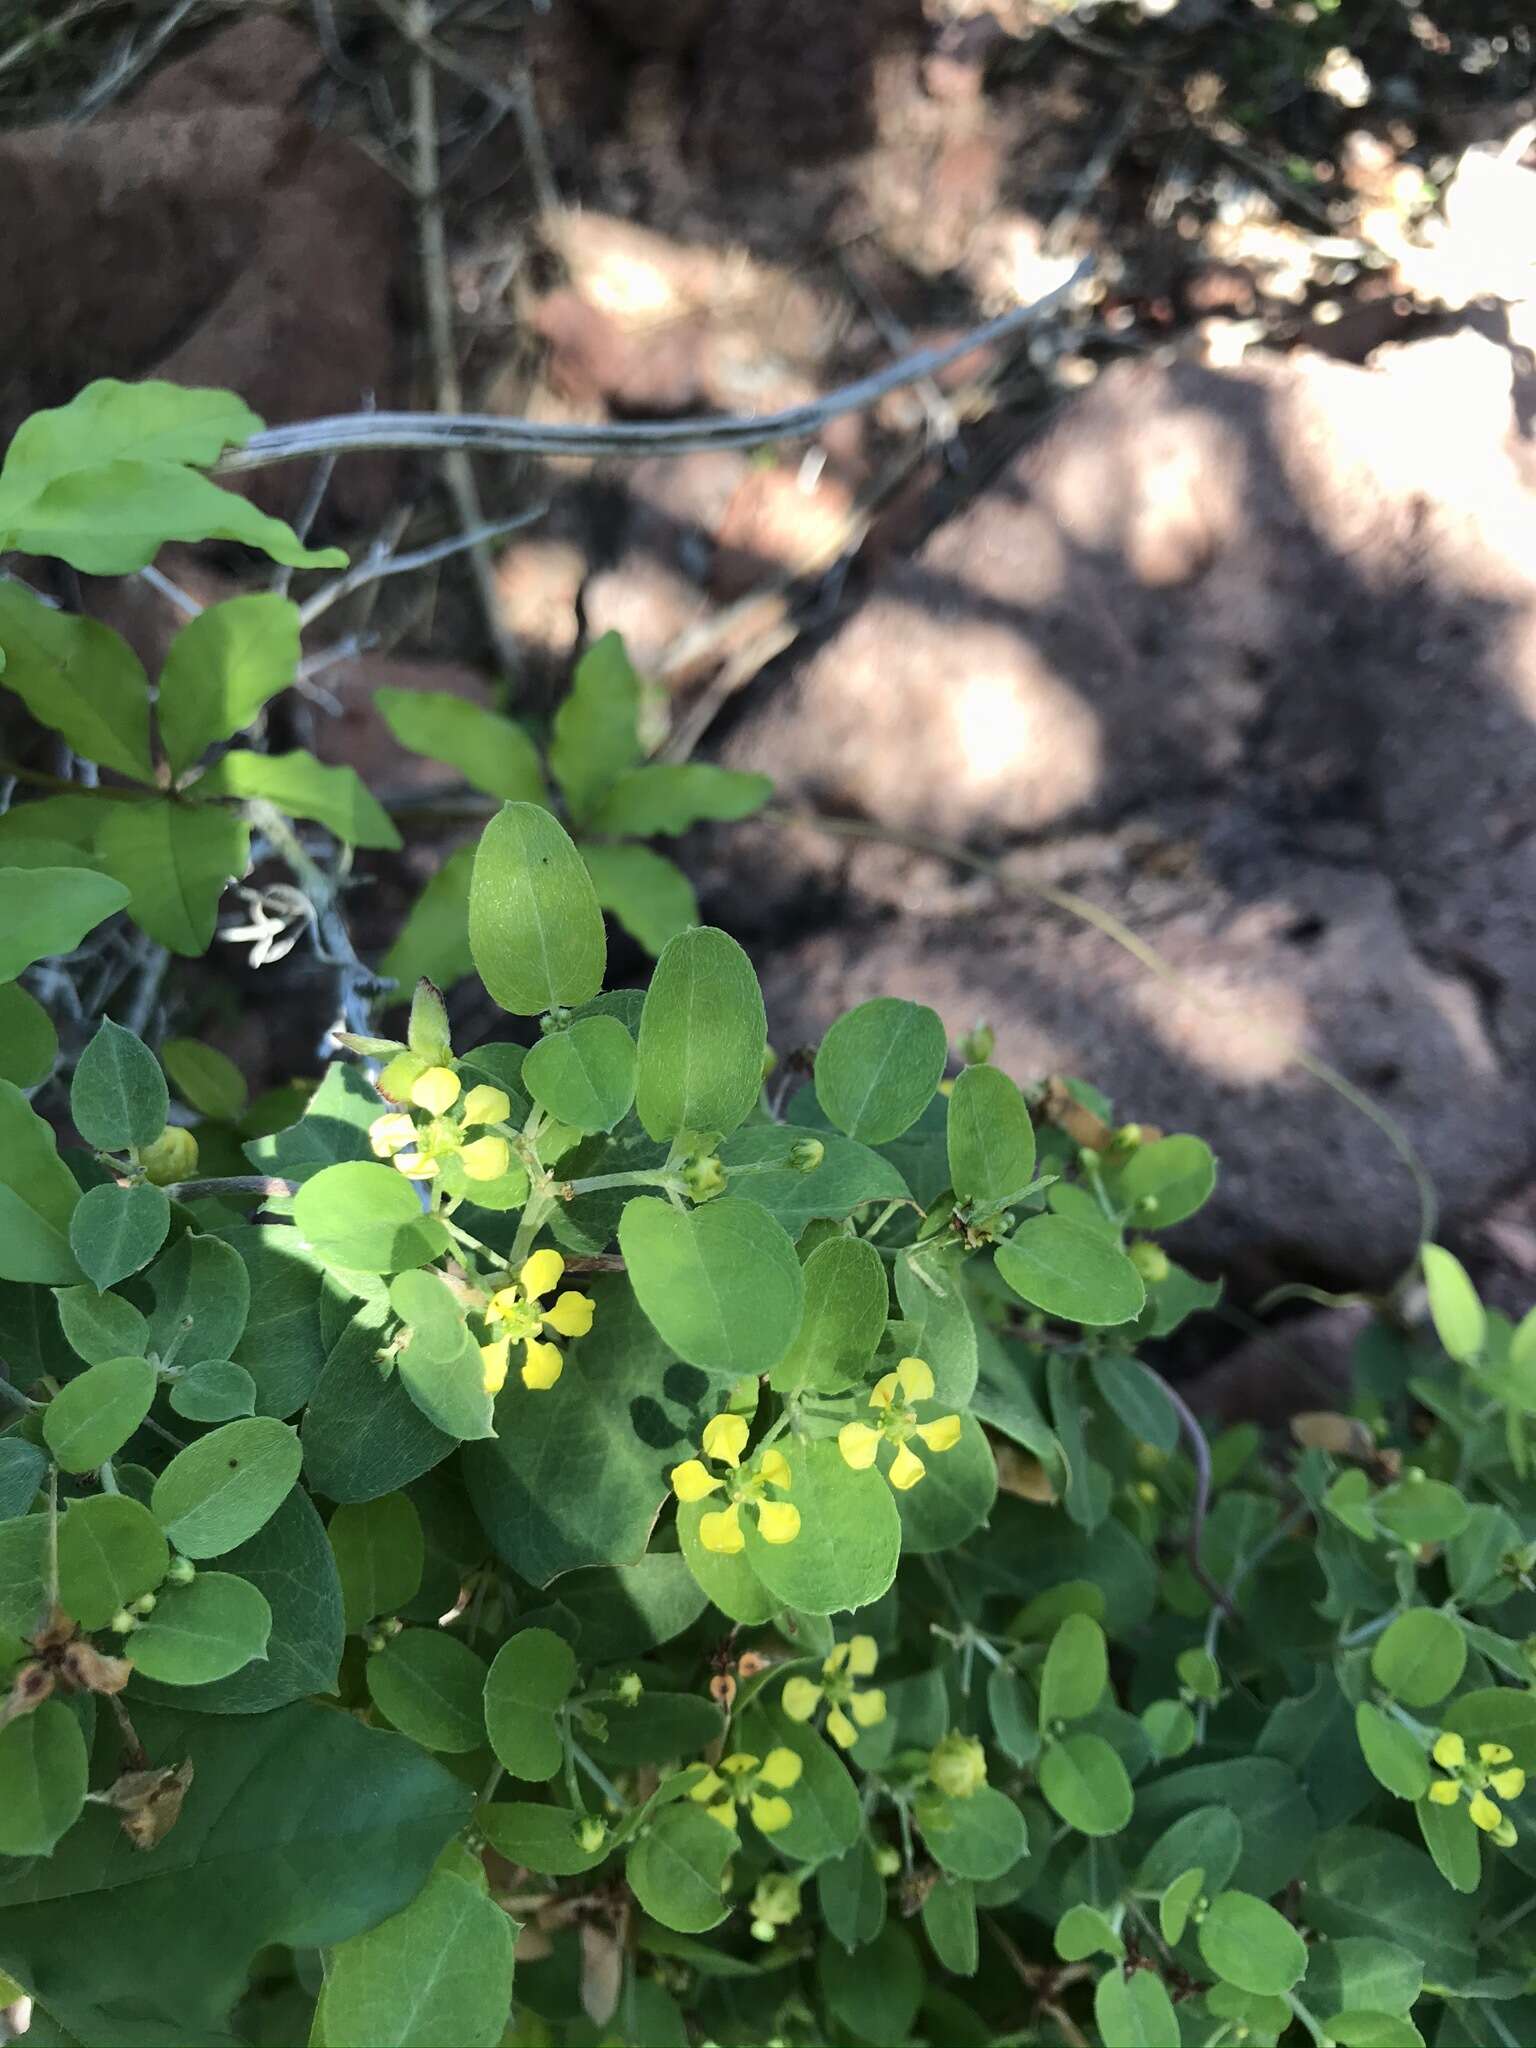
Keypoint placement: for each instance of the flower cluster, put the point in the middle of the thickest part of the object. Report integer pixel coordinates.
(895, 1400)
(1494, 1771)
(420, 1150)
(516, 1314)
(723, 1441)
(848, 1709)
(739, 1781)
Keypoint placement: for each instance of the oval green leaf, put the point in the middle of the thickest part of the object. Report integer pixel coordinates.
(116, 1231)
(585, 1075)
(111, 1551)
(703, 1036)
(43, 1768)
(535, 928)
(722, 1284)
(367, 1218)
(849, 1544)
(202, 1632)
(1085, 1782)
(532, 1675)
(1420, 1658)
(221, 1489)
(878, 1066)
(1076, 1671)
(94, 1415)
(1071, 1272)
(1247, 1943)
(677, 1868)
(990, 1137)
(429, 1685)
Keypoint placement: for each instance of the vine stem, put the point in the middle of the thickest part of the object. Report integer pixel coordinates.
(231, 1184)
(1200, 1457)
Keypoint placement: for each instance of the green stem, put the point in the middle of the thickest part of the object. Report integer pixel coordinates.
(463, 1237)
(1312, 2025)
(15, 1394)
(649, 1178)
(108, 1478)
(532, 1221)
(603, 1783)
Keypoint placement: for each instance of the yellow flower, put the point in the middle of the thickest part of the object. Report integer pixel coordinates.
(848, 1709)
(517, 1314)
(388, 1135)
(435, 1091)
(1495, 1770)
(486, 1158)
(723, 1442)
(483, 1105)
(1449, 1752)
(1508, 1784)
(739, 1781)
(894, 1399)
(1494, 1753)
(1444, 1792)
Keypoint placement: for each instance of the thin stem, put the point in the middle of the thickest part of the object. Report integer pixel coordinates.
(604, 1784)
(232, 1184)
(1200, 1457)
(108, 1478)
(1307, 2019)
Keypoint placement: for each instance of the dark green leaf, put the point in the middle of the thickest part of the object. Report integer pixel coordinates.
(380, 1555)
(874, 1992)
(676, 1869)
(984, 1835)
(534, 1672)
(38, 1195)
(1085, 1781)
(206, 1079)
(111, 1552)
(29, 1045)
(116, 1231)
(849, 1177)
(174, 860)
(202, 1632)
(202, 1298)
(363, 1434)
(544, 1838)
(45, 911)
(878, 1067)
(43, 1770)
(439, 1972)
(851, 1895)
(22, 1468)
(94, 1416)
(215, 1391)
(429, 1685)
(596, 737)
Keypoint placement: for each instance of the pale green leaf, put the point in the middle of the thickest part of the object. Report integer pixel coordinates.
(666, 798)
(298, 784)
(491, 752)
(47, 911)
(174, 859)
(221, 668)
(596, 737)
(649, 895)
(535, 928)
(80, 678)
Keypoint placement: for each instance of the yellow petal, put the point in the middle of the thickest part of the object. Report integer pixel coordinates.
(493, 1365)
(863, 1656)
(506, 1301)
(540, 1274)
(542, 1365)
(739, 1763)
(771, 1814)
(1484, 1813)
(483, 1105)
(915, 1378)
(942, 1435)
(691, 1481)
(725, 1438)
(778, 1521)
(906, 1469)
(774, 1468)
(858, 1444)
(800, 1698)
(1508, 1784)
(486, 1158)
(837, 1660)
(706, 1787)
(435, 1091)
(414, 1166)
(721, 1532)
(884, 1391)
(1444, 1792)
(868, 1708)
(1449, 1752)
(841, 1729)
(572, 1314)
(725, 1813)
(387, 1134)
(1494, 1753)
(781, 1769)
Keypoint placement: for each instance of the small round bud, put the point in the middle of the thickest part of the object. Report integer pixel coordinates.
(1146, 1492)
(887, 1860)
(1150, 1261)
(1415, 1475)
(145, 1604)
(181, 1571)
(628, 1688)
(1088, 1158)
(400, 1076)
(978, 1046)
(806, 1154)
(704, 1176)
(1128, 1137)
(591, 1833)
(958, 1765)
(170, 1158)
(1147, 1205)
(558, 1019)
(374, 1640)
(122, 1623)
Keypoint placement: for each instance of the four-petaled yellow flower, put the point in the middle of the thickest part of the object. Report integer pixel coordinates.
(723, 1441)
(1495, 1770)
(517, 1314)
(420, 1150)
(739, 1781)
(895, 1398)
(856, 1658)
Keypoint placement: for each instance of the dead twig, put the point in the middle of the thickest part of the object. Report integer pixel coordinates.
(381, 560)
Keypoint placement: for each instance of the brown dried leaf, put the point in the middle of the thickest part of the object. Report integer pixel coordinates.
(83, 1668)
(150, 1802)
(1062, 1108)
(31, 1686)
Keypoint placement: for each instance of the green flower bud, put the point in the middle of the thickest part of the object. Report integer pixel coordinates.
(427, 1032)
(1150, 1261)
(145, 1604)
(170, 1158)
(806, 1155)
(1146, 1205)
(1089, 1159)
(401, 1075)
(181, 1571)
(775, 1903)
(557, 1019)
(374, 1641)
(591, 1833)
(628, 1688)
(704, 1176)
(122, 1623)
(1128, 1137)
(958, 1765)
(978, 1046)
(887, 1860)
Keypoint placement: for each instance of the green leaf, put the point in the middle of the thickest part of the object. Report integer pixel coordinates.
(23, 1569)
(1421, 1511)
(29, 1045)
(1137, 1398)
(1264, 1796)
(490, 752)
(433, 943)
(664, 798)
(202, 1299)
(846, 1553)
(221, 668)
(440, 1367)
(955, 1496)
(613, 1478)
(596, 737)
(218, 1390)
(288, 1562)
(850, 1893)
(939, 1325)
(206, 1079)
(1177, 1903)
(533, 1674)
(1420, 1658)
(111, 1552)
(535, 928)
(367, 1218)
(729, 1581)
(332, 1127)
(38, 1194)
(43, 1770)
(1170, 1728)
(301, 1828)
(22, 1466)
(677, 1868)
(80, 678)
(108, 420)
(990, 1137)
(1071, 1272)
(949, 1921)
(721, 1284)
(1207, 1838)
(282, 1345)
(429, 1685)
(116, 1230)
(1084, 1780)
(1356, 2029)
(585, 1075)
(101, 1326)
(363, 1434)
(1460, 1321)
(1178, 1174)
(95, 1415)
(1011, 1706)
(1247, 1943)
(846, 1303)
(649, 895)
(174, 860)
(1362, 1881)
(627, 1610)
(298, 784)
(825, 1817)
(1393, 1756)
(1076, 1671)
(1499, 1714)
(441, 1971)
(1134, 2011)
(878, 1067)
(202, 1632)
(220, 1490)
(876, 1992)
(703, 1036)
(46, 911)
(849, 1177)
(1359, 1972)
(1084, 1931)
(118, 1096)
(659, 1728)
(380, 1555)
(544, 1838)
(982, 1836)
